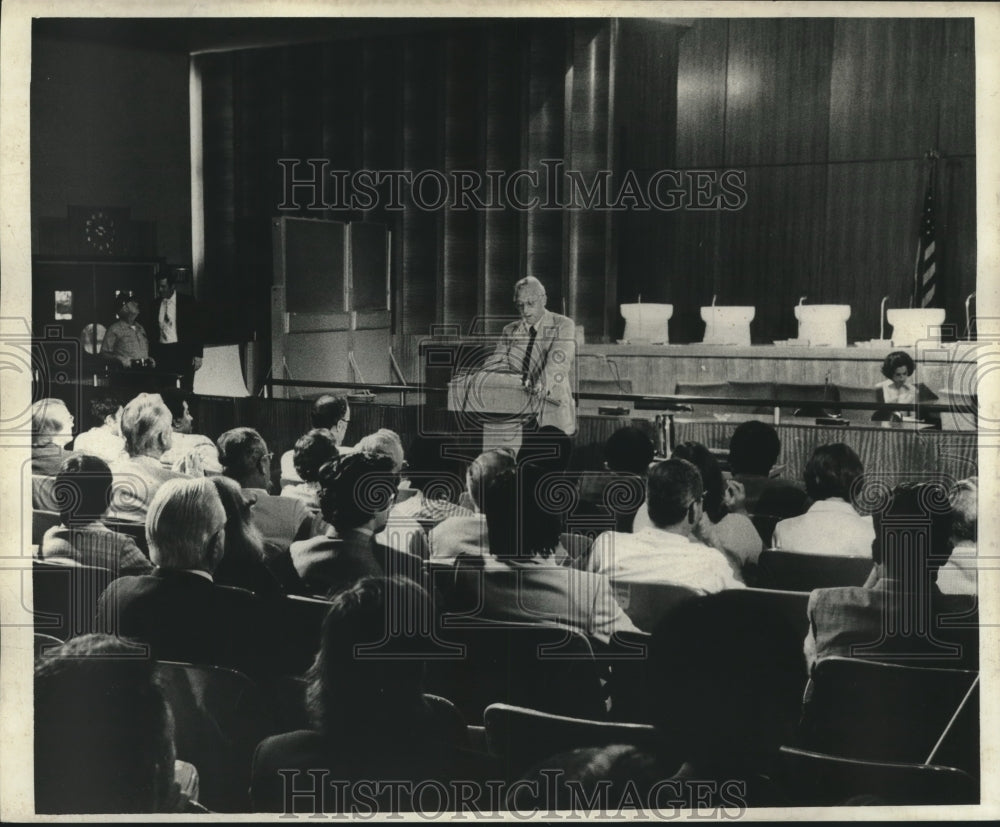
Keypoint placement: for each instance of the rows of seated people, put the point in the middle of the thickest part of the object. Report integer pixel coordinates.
(334, 587)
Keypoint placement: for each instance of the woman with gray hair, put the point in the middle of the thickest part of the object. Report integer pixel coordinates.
(146, 425)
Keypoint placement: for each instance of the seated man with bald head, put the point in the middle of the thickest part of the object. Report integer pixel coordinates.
(178, 610)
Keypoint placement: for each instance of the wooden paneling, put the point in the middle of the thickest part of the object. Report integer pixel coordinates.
(873, 212)
(463, 150)
(770, 251)
(885, 95)
(645, 111)
(957, 134)
(957, 236)
(701, 94)
(504, 129)
(544, 139)
(777, 91)
(587, 113)
(419, 235)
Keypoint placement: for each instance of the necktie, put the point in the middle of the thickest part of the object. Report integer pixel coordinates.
(526, 362)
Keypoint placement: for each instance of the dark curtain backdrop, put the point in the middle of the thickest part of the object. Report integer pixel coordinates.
(827, 119)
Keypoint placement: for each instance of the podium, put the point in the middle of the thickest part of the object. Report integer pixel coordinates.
(496, 402)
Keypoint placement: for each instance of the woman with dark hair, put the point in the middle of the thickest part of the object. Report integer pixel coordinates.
(312, 451)
(898, 387)
(720, 527)
(371, 721)
(831, 525)
(244, 553)
(356, 492)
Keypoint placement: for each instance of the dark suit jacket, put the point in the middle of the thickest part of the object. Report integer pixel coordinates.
(190, 326)
(184, 617)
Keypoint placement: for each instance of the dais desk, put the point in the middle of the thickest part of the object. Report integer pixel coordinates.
(656, 369)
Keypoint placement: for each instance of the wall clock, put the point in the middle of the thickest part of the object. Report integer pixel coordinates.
(99, 231)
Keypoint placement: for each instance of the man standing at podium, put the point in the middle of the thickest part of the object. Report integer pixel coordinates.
(542, 347)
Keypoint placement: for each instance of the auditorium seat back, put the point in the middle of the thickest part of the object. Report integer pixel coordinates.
(646, 603)
(875, 711)
(802, 571)
(812, 779)
(522, 737)
(42, 521)
(65, 597)
(220, 715)
(542, 667)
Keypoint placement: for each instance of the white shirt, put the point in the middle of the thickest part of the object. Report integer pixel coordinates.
(959, 574)
(168, 320)
(100, 442)
(903, 395)
(653, 555)
(830, 526)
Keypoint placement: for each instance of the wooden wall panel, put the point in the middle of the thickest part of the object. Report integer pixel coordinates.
(419, 265)
(873, 212)
(588, 116)
(777, 91)
(645, 111)
(701, 94)
(884, 100)
(957, 135)
(957, 234)
(770, 252)
(461, 271)
(502, 264)
(544, 138)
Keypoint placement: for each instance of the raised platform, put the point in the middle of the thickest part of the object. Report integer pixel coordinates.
(656, 369)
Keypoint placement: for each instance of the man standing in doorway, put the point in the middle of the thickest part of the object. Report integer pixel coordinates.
(177, 342)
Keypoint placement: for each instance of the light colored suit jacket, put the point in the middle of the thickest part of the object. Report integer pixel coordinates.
(551, 365)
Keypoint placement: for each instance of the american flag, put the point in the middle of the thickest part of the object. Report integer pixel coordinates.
(925, 270)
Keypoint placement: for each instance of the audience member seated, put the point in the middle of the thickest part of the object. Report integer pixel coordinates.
(83, 486)
(428, 493)
(243, 558)
(312, 452)
(754, 448)
(548, 448)
(721, 525)
(521, 581)
(666, 551)
(726, 680)
(894, 616)
(189, 452)
(958, 575)
(145, 424)
(179, 610)
(899, 388)
(331, 413)
(104, 739)
(831, 525)
(244, 458)
(105, 439)
(371, 721)
(467, 535)
(51, 430)
(628, 454)
(355, 494)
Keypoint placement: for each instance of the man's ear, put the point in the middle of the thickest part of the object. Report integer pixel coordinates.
(216, 548)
